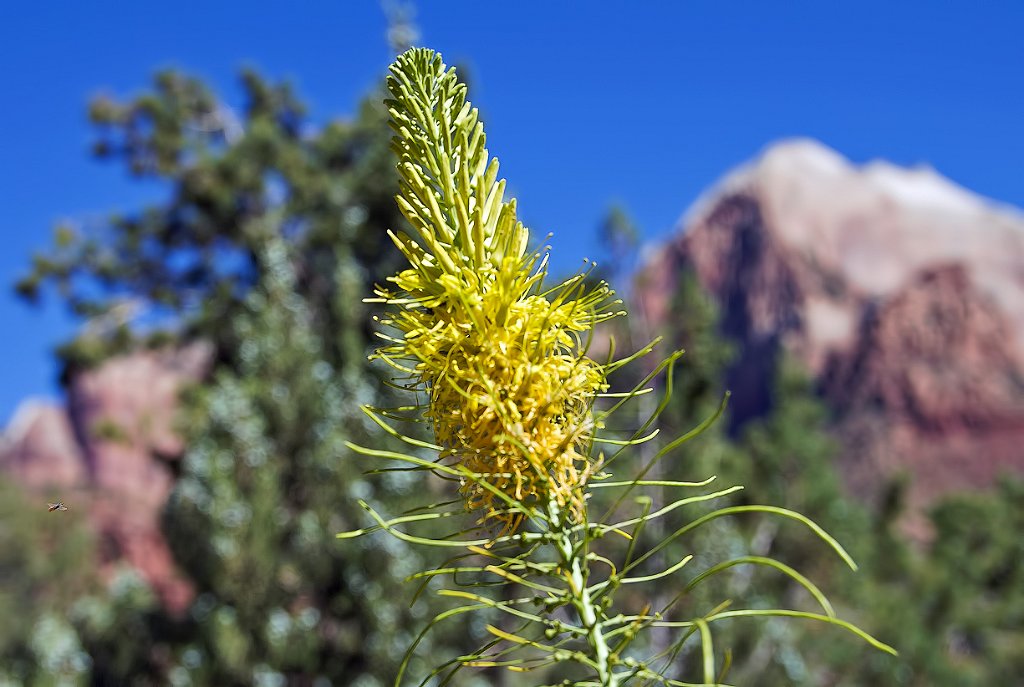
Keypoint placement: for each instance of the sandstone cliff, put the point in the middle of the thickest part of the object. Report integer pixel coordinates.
(902, 293)
(109, 456)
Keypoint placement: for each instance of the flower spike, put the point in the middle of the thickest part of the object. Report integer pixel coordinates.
(510, 390)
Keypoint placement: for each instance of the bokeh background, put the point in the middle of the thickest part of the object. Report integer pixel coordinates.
(820, 202)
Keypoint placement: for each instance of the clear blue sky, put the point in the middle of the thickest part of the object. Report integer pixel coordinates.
(646, 103)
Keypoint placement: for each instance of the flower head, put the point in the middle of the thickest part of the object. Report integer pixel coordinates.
(501, 359)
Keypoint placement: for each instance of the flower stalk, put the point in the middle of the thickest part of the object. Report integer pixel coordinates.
(497, 359)
(591, 615)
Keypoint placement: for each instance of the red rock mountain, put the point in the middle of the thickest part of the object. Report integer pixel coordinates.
(108, 456)
(901, 292)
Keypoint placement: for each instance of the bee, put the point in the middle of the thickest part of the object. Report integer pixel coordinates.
(56, 506)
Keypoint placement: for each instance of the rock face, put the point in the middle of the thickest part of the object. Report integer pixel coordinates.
(109, 456)
(902, 293)
(39, 449)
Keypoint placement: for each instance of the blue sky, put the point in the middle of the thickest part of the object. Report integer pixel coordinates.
(586, 103)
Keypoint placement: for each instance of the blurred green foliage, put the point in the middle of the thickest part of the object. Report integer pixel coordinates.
(266, 483)
(181, 268)
(953, 607)
(47, 562)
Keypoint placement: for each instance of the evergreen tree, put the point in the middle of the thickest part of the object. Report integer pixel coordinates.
(183, 266)
(979, 605)
(272, 231)
(784, 459)
(47, 561)
(952, 607)
(619, 239)
(957, 601)
(266, 484)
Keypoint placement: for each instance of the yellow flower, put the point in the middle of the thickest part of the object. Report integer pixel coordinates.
(510, 392)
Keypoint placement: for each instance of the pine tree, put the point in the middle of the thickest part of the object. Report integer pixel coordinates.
(179, 268)
(783, 459)
(953, 607)
(271, 233)
(266, 484)
(47, 562)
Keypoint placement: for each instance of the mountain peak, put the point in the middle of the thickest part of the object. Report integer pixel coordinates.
(877, 224)
(810, 163)
(803, 249)
(802, 156)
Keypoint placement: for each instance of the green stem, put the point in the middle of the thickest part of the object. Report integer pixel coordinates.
(573, 558)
